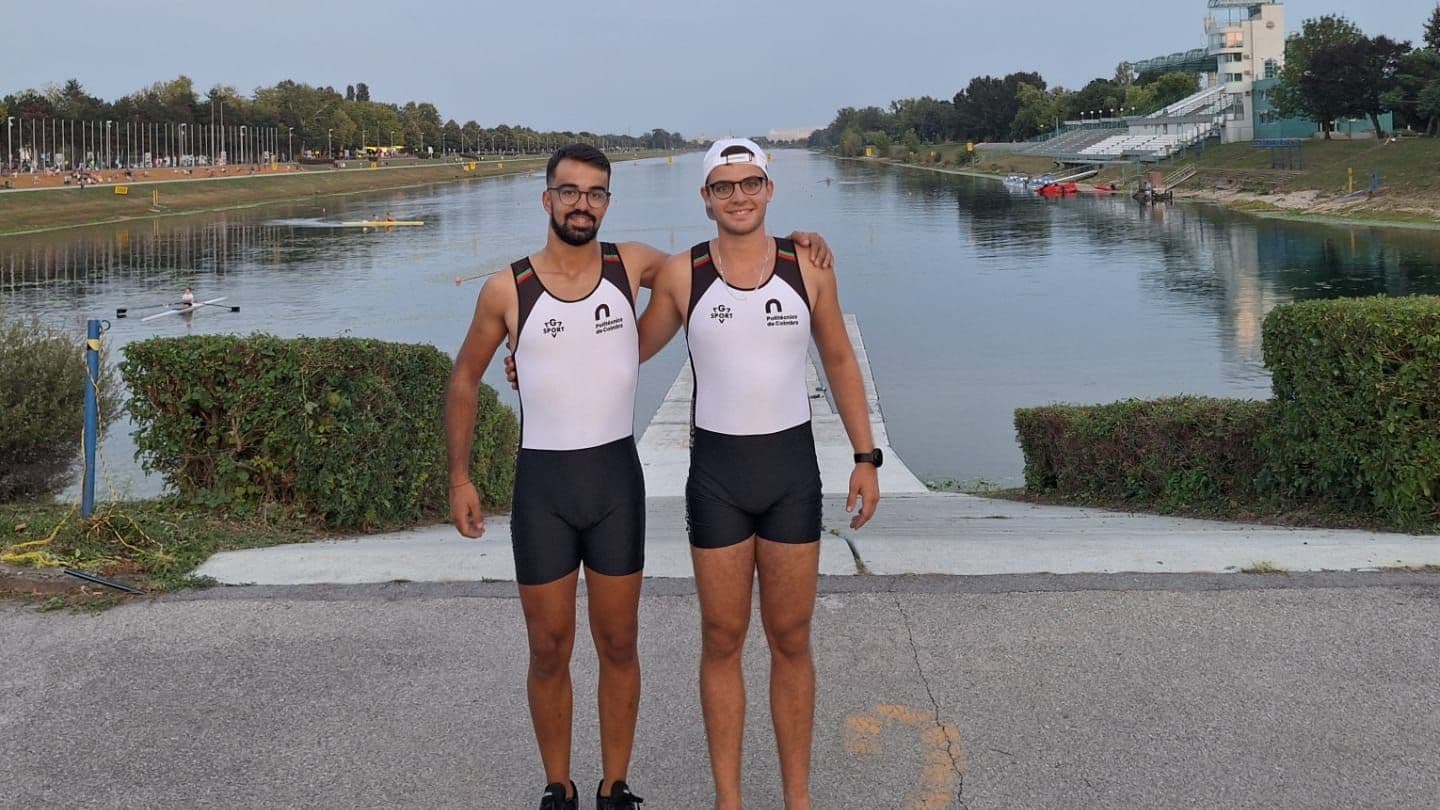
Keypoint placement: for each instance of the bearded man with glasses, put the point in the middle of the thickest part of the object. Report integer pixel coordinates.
(567, 314)
(750, 305)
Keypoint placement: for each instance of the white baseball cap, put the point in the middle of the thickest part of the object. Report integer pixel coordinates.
(752, 156)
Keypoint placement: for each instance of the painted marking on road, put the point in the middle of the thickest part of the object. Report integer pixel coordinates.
(940, 744)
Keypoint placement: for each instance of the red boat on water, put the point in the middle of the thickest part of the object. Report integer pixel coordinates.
(1057, 189)
(1068, 188)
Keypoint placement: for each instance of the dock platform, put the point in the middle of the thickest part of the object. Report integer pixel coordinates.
(665, 445)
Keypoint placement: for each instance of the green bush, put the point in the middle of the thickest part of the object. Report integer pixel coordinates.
(42, 406)
(1173, 452)
(343, 429)
(1357, 396)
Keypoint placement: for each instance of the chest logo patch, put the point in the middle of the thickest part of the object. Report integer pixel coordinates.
(775, 314)
(604, 323)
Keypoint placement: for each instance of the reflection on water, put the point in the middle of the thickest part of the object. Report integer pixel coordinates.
(973, 299)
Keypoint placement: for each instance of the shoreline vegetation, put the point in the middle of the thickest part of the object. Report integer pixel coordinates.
(166, 193)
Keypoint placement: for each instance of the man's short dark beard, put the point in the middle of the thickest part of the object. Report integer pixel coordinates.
(572, 236)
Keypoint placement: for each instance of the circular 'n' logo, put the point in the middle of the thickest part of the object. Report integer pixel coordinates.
(602, 311)
(773, 305)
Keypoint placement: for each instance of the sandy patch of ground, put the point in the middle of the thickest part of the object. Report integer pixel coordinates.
(1408, 208)
(1288, 201)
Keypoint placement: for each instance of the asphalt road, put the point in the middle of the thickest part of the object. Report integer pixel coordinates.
(1292, 691)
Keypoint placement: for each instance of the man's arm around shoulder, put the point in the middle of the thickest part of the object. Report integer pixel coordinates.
(642, 261)
(666, 311)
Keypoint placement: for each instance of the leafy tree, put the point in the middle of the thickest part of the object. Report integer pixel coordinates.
(1416, 71)
(362, 91)
(349, 92)
(911, 142)
(986, 108)
(451, 132)
(931, 119)
(881, 142)
(1429, 105)
(415, 138)
(472, 135)
(1351, 77)
(1037, 113)
(1141, 98)
(76, 105)
(1382, 61)
(1432, 29)
(1173, 87)
(31, 104)
(1099, 94)
(1332, 85)
(1290, 98)
(1124, 75)
(863, 120)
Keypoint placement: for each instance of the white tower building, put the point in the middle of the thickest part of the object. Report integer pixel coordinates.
(1247, 39)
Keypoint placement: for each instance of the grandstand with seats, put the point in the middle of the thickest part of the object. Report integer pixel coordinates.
(1245, 44)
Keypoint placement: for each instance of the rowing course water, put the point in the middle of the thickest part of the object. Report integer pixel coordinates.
(973, 300)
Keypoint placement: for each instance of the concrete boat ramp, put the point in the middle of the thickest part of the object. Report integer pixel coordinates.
(915, 531)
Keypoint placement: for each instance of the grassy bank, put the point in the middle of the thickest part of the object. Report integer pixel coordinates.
(154, 546)
(48, 209)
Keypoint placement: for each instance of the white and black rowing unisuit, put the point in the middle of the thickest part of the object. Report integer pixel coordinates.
(749, 348)
(752, 462)
(579, 489)
(578, 360)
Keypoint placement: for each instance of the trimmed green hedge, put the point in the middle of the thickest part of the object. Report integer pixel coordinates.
(1357, 395)
(347, 430)
(1171, 452)
(42, 406)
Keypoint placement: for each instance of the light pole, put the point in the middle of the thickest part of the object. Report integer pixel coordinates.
(107, 144)
(180, 132)
(328, 153)
(392, 143)
(290, 144)
(9, 143)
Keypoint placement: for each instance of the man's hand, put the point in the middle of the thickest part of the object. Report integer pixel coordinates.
(465, 510)
(865, 487)
(510, 375)
(820, 254)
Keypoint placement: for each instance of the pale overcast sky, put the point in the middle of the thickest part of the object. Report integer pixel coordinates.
(741, 67)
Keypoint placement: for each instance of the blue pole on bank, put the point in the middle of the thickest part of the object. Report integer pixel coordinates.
(92, 414)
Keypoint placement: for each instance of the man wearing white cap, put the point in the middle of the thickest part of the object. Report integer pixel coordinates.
(750, 305)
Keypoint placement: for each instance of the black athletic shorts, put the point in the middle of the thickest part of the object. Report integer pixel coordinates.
(574, 506)
(767, 485)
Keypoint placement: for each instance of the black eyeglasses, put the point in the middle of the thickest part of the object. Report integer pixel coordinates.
(571, 195)
(750, 185)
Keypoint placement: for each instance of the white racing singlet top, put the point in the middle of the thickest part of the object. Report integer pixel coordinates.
(748, 348)
(577, 360)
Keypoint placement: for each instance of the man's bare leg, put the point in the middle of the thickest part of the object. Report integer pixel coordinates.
(614, 623)
(724, 578)
(550, 625)
(789, 576)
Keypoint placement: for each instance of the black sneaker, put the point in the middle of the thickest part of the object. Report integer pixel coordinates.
(620, 797)
(554, 797)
